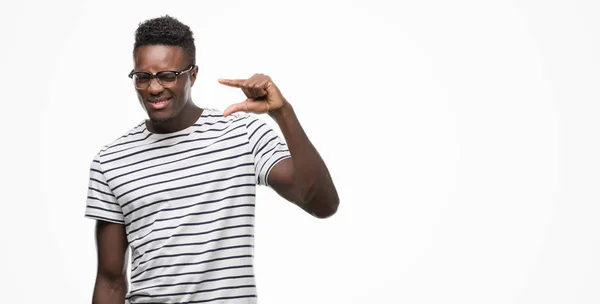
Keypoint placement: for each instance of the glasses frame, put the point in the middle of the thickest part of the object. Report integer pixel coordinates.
(155, 75)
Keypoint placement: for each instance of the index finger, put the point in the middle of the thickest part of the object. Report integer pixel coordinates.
(237, 83)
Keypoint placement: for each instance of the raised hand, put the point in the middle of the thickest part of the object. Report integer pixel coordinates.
(261, 93)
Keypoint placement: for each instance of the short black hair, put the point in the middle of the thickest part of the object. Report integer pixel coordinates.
(166, 30)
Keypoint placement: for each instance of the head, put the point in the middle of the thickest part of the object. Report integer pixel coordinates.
(164, 44)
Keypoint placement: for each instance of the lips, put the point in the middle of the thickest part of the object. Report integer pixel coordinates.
(157, 104)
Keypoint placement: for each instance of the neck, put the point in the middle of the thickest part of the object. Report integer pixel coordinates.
(184, 119)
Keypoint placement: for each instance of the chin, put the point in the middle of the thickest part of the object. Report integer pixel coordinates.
(161, 119)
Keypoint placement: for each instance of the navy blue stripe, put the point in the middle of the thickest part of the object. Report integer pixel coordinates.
(185, 224)
(258, 141)
(266, 144)
(180, 152)
(135, 133)
(210, 181)
(99, 181)
(105, 193)
(214, 115)
(254, 119)
(275, 147)
(105, 219)
(193, 292)
(96, 170)
(198, 301)
(212, 123)
(218, 299)
(190, 253)
(194, 273)
(124, 143)
(175, 144)
(191, 205)
(184, 177)
(195, 282)
(102, 209)
(190, 264)
(137, 247)
(179, 169)
(143, 123)
(239, 236)
(262, 124)
(284, 150)
(101, 200)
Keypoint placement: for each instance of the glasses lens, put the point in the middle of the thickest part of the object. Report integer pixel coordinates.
(167, 78)
(141, 80)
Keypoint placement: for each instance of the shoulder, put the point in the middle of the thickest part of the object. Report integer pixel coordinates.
(213, 116)
(136, 135)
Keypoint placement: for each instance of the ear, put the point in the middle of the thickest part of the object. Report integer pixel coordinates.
(193, 74)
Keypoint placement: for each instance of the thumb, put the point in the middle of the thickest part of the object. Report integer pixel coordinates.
(236, 107)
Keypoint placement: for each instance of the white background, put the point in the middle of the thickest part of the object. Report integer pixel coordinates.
(463, 137)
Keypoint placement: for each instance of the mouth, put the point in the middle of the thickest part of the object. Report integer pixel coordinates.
(157, 104)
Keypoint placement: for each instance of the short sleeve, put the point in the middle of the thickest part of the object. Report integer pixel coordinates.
(101, 202)
(268, 148)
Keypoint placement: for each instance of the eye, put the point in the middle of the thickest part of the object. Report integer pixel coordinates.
(167, 76)
(142, 77)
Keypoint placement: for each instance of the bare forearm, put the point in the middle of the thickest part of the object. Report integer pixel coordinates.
(318, 194)
(109, 291)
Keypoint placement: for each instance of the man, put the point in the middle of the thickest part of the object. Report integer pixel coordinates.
(179, 188)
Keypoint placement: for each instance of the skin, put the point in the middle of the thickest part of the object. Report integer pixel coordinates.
(302, 179)
(180, 112)
(111, 283)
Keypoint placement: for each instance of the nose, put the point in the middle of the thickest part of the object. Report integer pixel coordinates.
(155, 88)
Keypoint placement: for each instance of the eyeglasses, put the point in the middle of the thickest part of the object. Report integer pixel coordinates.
(166, 79)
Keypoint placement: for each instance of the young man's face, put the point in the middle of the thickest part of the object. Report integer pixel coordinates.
(163, 97)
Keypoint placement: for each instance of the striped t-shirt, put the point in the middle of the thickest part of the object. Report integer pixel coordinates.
(187, 202)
